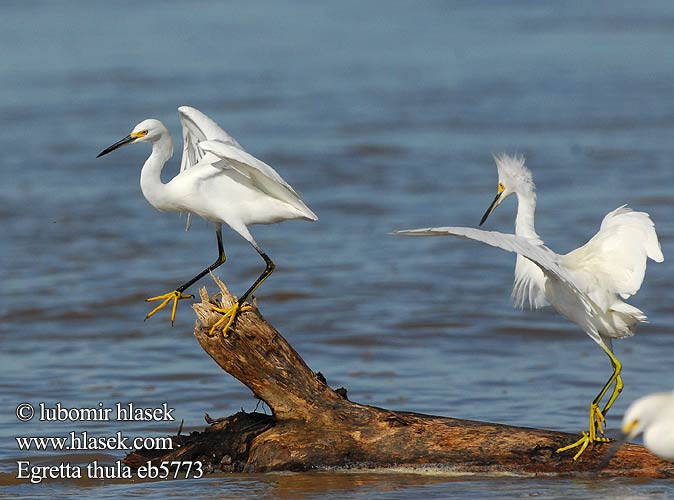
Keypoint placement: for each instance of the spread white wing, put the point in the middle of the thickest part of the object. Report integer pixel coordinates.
(616, 256)
(532, 249)
(261, 175)
(198, 127)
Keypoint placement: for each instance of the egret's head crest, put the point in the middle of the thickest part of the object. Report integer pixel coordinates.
(512, 173)
(513, 177)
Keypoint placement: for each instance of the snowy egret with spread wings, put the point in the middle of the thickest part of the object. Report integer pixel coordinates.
(218, 181)
(587, 286)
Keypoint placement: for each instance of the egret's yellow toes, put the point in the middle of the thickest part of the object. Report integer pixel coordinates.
(597, 421)
(582, 443)
(229, 315)
(174, 296)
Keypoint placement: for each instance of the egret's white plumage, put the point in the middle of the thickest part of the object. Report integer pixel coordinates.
(202, 136)
(218, 181)
(588, 285)
(652, 415)
(197, 127)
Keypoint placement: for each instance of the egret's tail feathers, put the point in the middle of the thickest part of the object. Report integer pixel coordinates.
(624, 318)
(630, 310)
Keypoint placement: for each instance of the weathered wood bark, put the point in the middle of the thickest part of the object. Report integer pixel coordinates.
(314, 426)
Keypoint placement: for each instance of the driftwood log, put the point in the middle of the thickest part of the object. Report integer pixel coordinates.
(316, 427)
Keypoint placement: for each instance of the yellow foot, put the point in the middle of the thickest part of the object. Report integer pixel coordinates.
(582, 443)
(229, 315)
(174, 296)
(597, 422)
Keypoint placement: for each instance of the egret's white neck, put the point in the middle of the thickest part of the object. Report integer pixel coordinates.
(526, 206)
(153, 188)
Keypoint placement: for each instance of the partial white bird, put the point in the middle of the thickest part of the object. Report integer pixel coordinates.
(587, 286)
(219, 182)
(652, 415)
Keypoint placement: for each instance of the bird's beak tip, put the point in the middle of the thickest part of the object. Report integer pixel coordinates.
(491, 208)
(127, 140)
(629, 428)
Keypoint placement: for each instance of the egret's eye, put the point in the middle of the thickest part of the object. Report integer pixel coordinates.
(137, 135)
(500, 188)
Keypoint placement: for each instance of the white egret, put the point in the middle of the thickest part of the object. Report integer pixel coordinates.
(654, 416)
(219, 182)
(586, 286)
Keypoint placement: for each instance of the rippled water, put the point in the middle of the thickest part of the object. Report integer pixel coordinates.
(383, 116)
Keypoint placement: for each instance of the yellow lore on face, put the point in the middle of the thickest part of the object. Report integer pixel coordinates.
(628, 428)
(500, 188)
(137, 135)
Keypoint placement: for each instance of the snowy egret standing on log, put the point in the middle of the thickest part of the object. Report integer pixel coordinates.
(219, 182)
(587, 286)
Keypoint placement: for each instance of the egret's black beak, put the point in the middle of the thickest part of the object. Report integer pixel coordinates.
(491, 208)
(127, 140)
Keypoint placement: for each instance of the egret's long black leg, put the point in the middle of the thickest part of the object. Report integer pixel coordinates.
(265, 274)
(218, 262)
(177, 294)
(229, 314)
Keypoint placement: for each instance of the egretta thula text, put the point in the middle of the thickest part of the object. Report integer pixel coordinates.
(218, 181)
(588, 285)
(652, 415)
